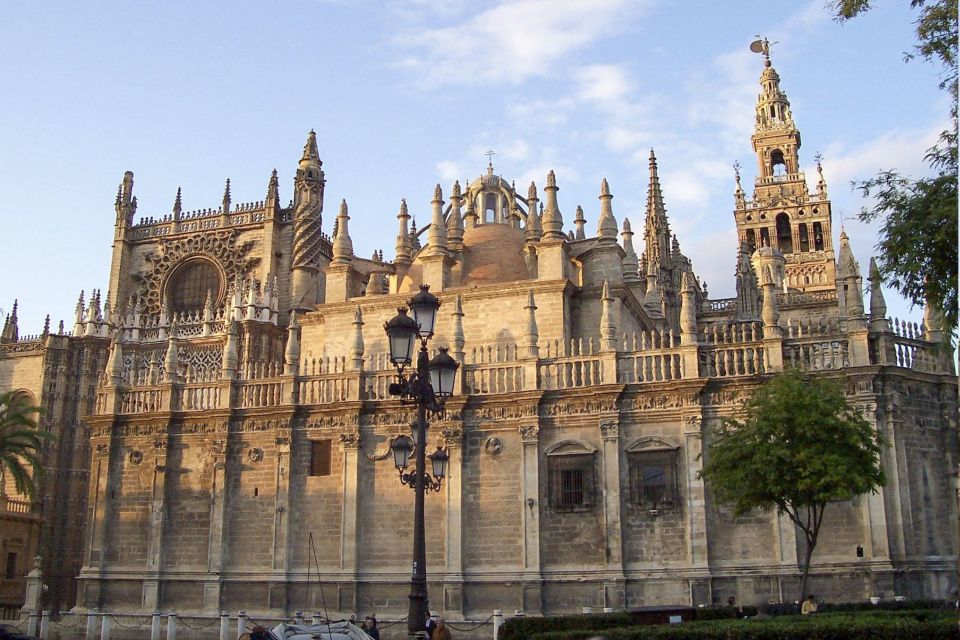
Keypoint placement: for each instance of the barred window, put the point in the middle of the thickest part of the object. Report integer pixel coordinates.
(571, 479)
(320, 457)
(653, 478)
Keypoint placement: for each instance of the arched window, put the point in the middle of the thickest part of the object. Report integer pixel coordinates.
(777, 164)
(188, 285)
(804, 237)
(490, 208)
(784, 233)
(751, 240)
(817, 236)
(764, 237)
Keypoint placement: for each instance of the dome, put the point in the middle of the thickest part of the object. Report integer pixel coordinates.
(493, 253)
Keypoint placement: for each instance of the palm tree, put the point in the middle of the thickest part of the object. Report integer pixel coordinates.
(21, 441)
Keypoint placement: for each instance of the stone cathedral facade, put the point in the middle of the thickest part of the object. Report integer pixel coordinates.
(224, 401)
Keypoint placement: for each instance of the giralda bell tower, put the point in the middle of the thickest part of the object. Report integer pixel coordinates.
(783, 215)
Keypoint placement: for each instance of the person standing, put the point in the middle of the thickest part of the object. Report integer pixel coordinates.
(370, 626)
(442, 632)
(809, 606)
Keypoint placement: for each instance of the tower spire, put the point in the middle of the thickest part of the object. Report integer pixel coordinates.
(606, 223)
(552, 219)
(177, 205)
(342, 244)
(307, 220)
(437, 237)
(225, 205)
(656, 233)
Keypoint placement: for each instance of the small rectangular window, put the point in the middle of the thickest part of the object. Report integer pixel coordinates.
(571, 479)
(320, 457)
(11, 569)
(653, 478)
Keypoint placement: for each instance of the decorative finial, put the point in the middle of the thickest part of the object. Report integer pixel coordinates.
(762, 45)
(490, 153)
(177, 204)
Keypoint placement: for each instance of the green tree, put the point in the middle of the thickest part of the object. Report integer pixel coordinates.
(799, 446)
(21, 441)
(918, 239)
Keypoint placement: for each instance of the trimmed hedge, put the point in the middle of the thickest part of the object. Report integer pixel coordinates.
(882, 625)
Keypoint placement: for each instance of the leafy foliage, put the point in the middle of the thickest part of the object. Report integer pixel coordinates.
(21, 442)
(800, 446)
(918, 241)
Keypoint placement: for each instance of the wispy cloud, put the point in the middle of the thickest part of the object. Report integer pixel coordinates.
(509, 42)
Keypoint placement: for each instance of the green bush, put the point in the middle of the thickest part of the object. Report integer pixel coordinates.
(881, 625)
(886, 605)
(523, 628)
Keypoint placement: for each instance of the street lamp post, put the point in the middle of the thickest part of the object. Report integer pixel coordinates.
(428, 386)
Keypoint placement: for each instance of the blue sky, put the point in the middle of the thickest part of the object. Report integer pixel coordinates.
(407, 93)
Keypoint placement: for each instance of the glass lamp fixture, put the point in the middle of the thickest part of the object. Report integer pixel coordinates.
(401, 336)
(443, 372)
(439, 460)
(424, 307)
(402, 447)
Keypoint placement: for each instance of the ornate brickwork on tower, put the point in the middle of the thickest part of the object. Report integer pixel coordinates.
(227, 399)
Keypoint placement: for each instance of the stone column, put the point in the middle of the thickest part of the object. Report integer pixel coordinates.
(452, 439)
(530, 472)
(151, 583)
(218, 499)
(281, 515)
(349, 560)
(612, 510)
(697, 547)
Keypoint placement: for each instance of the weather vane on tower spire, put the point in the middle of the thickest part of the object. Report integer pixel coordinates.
(762, 45)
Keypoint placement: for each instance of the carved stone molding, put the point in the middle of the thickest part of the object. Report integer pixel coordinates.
(493, 446)
(610, 429)
(283, 441)
(350, 439)
(692, 424)
(508, 412)
(218, 447)
(102, 448)
(220, 247)
(160, 445)
(530, 434)
(580, 406)
(452, 437)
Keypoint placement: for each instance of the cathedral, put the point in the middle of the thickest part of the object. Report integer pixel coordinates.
(223, 417)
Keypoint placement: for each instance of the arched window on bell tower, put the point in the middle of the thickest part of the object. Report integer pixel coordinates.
(817, 236)
(784, 233)
(804, 237)
(778, 166)
(751, 240)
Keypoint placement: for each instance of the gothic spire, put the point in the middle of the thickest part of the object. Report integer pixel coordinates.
(606, 223)
(225, 205)
(437, 236)
(177, 205)
(656, 231)
(272, 201)
(455, 221)
(403, 244)
(552, 219)
(342, 244)
(631, 264)
(310, 153)
(580, 222)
